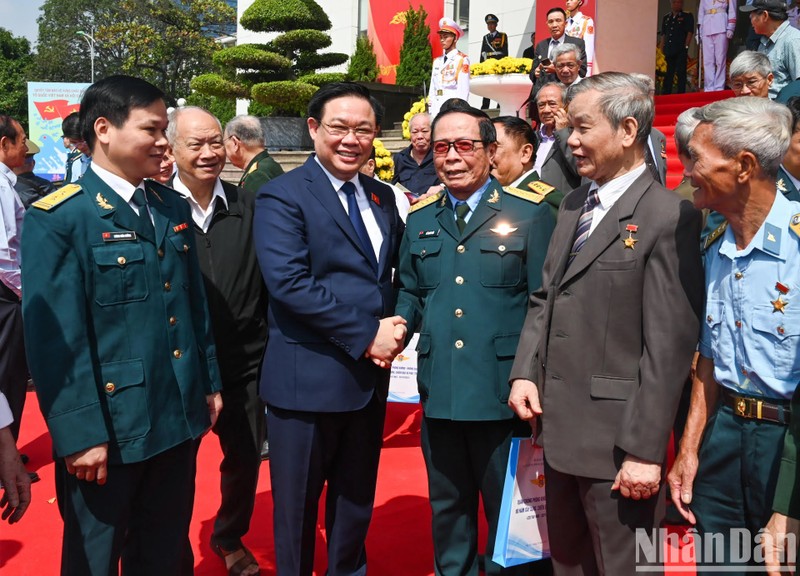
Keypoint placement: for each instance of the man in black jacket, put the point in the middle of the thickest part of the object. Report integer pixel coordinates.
(413, 167)
(237, 301)
(29, 186)
(543, 70)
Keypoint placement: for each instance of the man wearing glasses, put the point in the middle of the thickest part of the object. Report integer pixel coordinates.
(779, 40)
(470, 256)
(326, 238)
(751, 74)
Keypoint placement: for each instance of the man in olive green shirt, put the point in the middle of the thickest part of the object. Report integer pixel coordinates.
(245, 147)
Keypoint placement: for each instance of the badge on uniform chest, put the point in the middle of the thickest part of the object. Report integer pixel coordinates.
(119, 236)
(428, 233)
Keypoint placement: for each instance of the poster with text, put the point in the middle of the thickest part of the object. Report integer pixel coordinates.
(48, 104)
(403, 383)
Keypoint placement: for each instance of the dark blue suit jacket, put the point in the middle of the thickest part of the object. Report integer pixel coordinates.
(325, 299)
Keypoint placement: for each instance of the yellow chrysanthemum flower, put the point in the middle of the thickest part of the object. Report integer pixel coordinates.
(507, 65)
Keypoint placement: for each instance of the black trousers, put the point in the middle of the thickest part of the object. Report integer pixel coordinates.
(306, 450)
(676, 65)
(141, 516)
(13, 366)
(240, 429)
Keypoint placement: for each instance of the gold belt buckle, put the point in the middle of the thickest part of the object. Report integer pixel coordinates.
(712, 11)
(741, 408)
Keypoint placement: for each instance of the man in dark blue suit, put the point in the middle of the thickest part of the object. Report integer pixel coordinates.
(326, 239)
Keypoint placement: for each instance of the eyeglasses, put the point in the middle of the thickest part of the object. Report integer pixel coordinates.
(568, 65)
(340, 131)
(442, 147)
(751, 83)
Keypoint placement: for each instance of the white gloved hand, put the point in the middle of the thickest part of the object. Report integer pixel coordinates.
(729, 34)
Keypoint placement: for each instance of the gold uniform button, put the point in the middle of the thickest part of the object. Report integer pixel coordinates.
(744, 371)
(459, 312)
(738, 275)
(459, 344)
(460, 249)
(160, 253)
(185, 247)
(173, 320)
(121, 260)
(110, 387)
(459, 280)
(709, 318)
(781, 330)
(738, 324)
(167, 286)
(501, 248)
(423, 252)
(177, 354)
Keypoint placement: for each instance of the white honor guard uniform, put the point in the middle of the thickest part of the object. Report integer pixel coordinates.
(716, 21)
(581, 26)
(450, 75)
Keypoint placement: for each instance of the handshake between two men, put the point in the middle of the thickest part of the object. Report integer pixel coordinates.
(388, 342)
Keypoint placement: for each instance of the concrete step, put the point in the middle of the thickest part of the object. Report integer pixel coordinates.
(393, 133)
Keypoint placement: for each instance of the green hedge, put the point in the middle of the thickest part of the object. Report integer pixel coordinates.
(308, 40)
(285, 95)
(322, 78)
(280, 15)
(216, 85)
(248, 56)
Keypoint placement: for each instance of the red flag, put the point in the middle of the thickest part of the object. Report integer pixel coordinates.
(50, 110)
(66, 109)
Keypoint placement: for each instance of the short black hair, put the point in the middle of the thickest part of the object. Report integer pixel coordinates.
(793, 104)
(8, 127)
(518, 128)
(71, 126)
(114, 98)
(334, 90)
(457, 105)
(557, 9)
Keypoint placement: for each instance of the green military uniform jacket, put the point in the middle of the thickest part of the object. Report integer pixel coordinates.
(262, 168)
(786, 185)
(121, 347)
(552, 196)
(467, 295)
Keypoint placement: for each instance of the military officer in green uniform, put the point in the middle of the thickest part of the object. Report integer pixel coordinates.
(124, 361)
(470, 256)
(244, 146)
(513, 161)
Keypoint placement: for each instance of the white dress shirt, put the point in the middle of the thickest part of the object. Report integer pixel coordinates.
(370, 223)
(610, 192)
(202, 217)
(5, 412)
(11, 213)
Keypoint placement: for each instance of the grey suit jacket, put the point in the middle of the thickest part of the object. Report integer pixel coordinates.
(609, 340)
(559, 166)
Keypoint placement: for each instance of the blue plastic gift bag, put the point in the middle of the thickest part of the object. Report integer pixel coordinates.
(522, 526)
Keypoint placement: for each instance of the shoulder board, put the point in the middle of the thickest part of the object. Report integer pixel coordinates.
(541, 187)
(426, 202)
(715, 235)
(794, 225)
(55, 198)
(534, 197)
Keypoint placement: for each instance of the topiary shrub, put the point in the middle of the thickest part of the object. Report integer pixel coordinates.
(281, 75)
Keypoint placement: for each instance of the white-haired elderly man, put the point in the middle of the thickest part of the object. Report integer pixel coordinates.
(567, 61)
(222, 220)
(751, 74)
(725, 473)
(622, 288)
(245, 146)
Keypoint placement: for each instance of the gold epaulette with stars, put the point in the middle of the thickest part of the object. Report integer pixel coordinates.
(715, 235)
(425, 202)
(538, 191)
(794, 225)
(55, 198)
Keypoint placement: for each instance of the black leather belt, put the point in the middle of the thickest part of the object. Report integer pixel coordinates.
(769, 409)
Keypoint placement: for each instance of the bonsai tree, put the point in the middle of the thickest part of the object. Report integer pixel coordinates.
(416, 58)
(363, 64)
(280, 74)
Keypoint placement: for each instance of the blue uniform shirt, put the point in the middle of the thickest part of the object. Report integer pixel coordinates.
(472, 201)
(756, 346)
